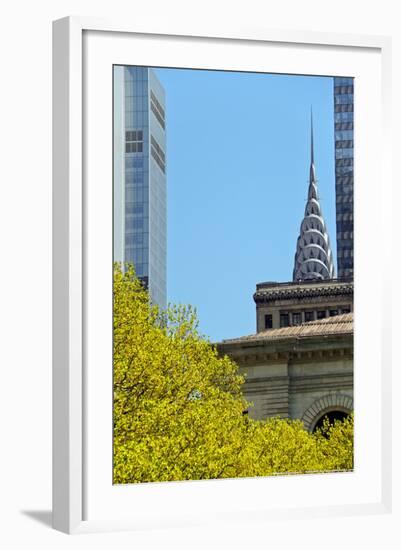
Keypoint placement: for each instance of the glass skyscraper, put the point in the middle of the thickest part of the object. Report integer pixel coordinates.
(344, 166)
(140, 224)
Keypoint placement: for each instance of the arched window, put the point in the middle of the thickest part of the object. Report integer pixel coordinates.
(331, 416)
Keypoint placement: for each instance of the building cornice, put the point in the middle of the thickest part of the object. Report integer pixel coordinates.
(270, 292)
(316, 348)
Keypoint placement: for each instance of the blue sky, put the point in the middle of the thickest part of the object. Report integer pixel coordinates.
(238, 153)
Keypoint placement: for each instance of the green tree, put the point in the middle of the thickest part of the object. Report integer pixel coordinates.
(279, 446)
(179, 407)
(336, 442)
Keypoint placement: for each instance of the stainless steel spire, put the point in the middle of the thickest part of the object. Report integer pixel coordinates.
(313, 258)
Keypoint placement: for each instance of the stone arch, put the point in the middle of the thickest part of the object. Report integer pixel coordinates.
(326, 403)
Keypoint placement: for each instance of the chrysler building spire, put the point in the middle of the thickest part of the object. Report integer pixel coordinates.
(313, 257)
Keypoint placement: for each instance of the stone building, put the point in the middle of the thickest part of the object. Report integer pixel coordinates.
(280, 305)
(299, 364)
(303, 371)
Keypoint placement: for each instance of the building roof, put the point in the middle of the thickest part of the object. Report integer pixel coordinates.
(336, 325)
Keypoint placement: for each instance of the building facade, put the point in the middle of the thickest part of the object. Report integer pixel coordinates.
(299, 364)
(302, 372)
(280, 305)
(140, 204)
(344, 168)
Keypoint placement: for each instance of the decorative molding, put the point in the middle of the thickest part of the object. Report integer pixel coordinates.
(244, 359)
(276, 293)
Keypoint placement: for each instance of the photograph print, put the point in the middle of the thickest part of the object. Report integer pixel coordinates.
(232, 274)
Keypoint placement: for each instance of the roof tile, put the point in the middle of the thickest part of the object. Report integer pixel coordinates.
(338, 324)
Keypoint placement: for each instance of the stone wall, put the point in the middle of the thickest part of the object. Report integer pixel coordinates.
(296, 379)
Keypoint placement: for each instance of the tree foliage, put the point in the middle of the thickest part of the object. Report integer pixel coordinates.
(337, 443)
(179, 408)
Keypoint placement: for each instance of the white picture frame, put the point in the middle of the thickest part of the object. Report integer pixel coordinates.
(72, 245)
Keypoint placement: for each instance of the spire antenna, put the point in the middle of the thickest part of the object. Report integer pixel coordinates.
(312, 174)
(311, 136)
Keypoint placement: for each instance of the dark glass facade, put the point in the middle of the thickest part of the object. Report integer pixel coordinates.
(344, 167)
(140, 176)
